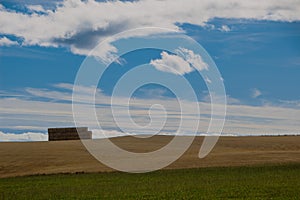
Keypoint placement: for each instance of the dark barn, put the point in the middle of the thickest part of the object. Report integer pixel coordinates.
(70, 133)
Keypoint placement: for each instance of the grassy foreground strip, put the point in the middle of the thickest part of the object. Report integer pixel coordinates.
(263, 182)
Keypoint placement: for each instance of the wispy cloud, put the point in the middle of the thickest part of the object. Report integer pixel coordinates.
(36, 8)
(255, 93)
(225, 28)
(34, 114)
(230, 100)
(195, 60)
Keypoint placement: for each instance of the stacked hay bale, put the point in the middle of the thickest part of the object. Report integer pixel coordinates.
(70, 133)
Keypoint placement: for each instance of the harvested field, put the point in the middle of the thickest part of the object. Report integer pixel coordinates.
(18, 159)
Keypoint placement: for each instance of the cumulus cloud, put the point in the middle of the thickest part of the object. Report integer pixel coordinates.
(80, 25)
(172, 64)
(185, 62)
(4, 41)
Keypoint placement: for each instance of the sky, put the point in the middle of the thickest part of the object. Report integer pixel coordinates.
(255, 46)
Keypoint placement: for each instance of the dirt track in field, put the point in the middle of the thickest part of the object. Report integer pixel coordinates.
(18, 159)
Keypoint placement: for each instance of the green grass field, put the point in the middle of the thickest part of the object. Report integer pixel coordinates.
(264, 182)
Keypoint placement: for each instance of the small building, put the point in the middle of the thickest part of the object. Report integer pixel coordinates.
(70, 133)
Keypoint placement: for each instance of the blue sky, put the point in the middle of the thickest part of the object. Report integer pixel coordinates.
(255, 50)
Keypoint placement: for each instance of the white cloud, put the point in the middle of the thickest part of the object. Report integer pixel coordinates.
(36, 8)
(4, 41)
(28, 136)
(225, 28)
(185, 62)
(172, 64)
(80, 25)
(256, 93)
(207, 80)
(98, 134)
(33, 114)
(35, 128)
(229, 100)
(153, 93)
(290, 103)
(193, 59)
